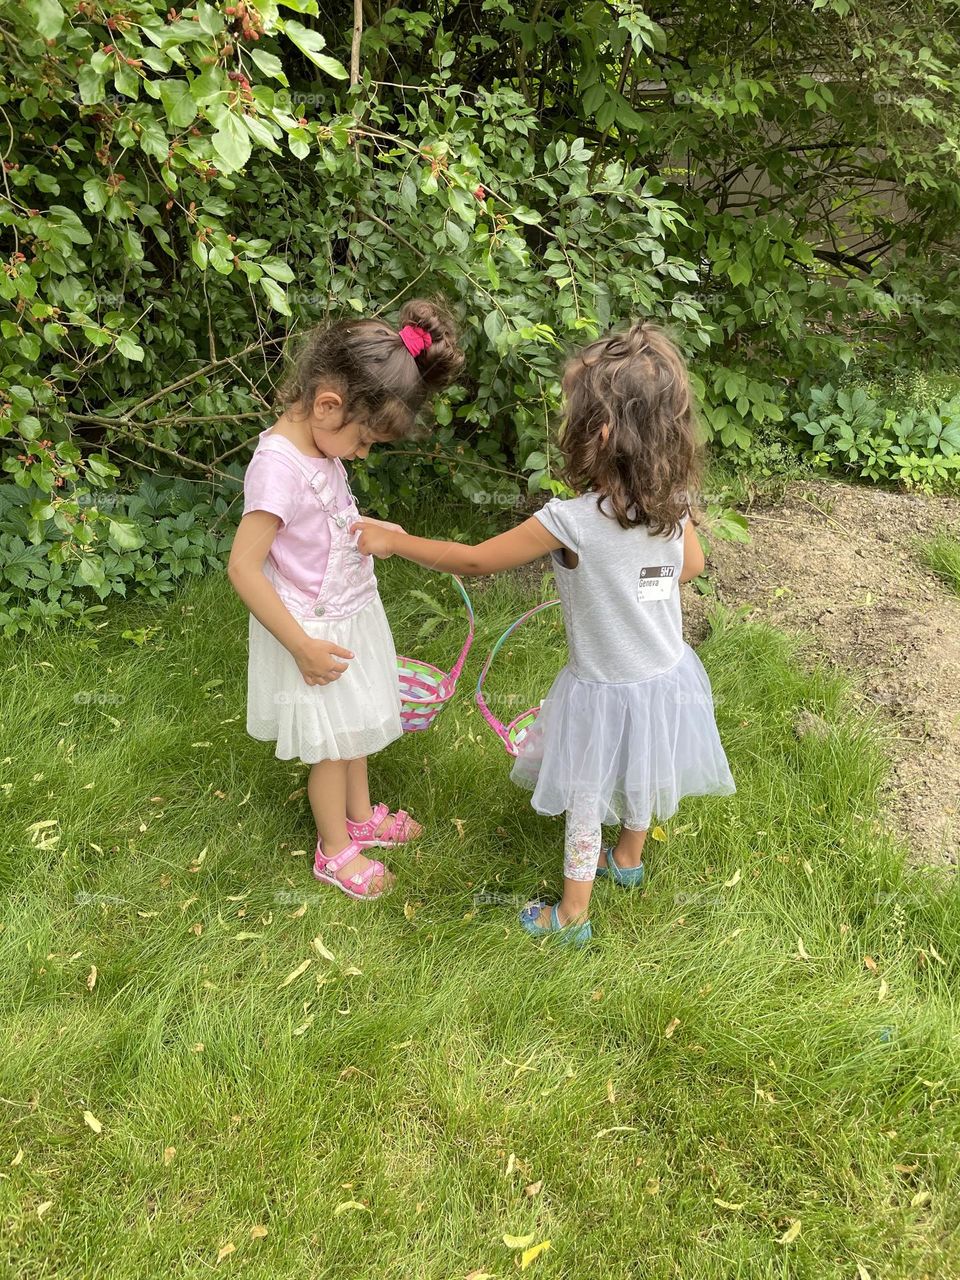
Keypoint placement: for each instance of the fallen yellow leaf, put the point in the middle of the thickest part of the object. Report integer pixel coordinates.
(17, 1159)
(611, 1092)
(323, 951)
(346, 1205)
(168, 1154)
(658, 833)
(791, 1233)
(670, 1028)
(725, 1204)
(862, 1272)
(226, 1251)
(870, 963)
(458, 823)
(409, 910)
(922, 1197)
(734, 880)
(530, 1255)
(533, 1189)
(518, 1242)
(883, 991)
(92, 977)
(257, 1233)
(42, 1208)
(652, 1187)
(292, 977)
(802, 950)
(92, 1122)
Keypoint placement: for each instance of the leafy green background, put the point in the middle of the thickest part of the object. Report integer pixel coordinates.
(184, 189)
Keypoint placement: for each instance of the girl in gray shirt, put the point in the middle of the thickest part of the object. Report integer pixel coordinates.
(627, 728)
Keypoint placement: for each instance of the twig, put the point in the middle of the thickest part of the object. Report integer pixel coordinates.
(355, 46)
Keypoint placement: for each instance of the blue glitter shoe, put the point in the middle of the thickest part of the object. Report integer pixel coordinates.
(574, 935)
(626, 877)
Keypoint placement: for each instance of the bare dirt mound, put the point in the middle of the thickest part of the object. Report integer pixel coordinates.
(839, 563)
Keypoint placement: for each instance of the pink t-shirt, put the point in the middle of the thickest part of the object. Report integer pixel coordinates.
(276, 483)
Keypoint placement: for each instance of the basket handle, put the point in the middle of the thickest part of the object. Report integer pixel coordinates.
(454, 673)
(496, 725)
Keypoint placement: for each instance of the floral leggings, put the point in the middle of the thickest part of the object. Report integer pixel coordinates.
(581, 849)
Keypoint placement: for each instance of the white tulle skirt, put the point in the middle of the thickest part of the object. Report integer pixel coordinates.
(624, 753)
(356, 715)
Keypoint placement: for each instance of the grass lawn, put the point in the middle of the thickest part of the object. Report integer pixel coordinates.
(942, 555)
(751, 1073)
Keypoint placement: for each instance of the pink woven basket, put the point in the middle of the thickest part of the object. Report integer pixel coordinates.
(424, 689)
(512, 734)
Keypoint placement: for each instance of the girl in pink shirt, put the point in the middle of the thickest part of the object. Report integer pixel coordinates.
(322, 674)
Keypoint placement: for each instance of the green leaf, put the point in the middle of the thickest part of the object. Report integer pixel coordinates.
(48, 17)
(275, 295)
(232, 145)
(269, 64)
(90, 85)
(129, 348)
(124, 535)
(310, 43)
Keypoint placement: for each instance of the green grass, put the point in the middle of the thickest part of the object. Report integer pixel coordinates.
(942, 555)
(442, 1047)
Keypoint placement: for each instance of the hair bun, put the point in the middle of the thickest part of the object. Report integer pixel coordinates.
(442, 360)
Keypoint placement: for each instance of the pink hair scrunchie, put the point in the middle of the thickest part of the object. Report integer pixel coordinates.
(415, 339)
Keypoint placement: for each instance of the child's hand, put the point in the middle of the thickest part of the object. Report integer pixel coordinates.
(320, 660)
(375, 537)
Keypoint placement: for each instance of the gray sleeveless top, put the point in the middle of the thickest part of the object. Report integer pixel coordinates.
(621, 604)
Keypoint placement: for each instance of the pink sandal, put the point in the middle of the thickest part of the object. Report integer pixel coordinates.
(355, 886)
(399, 831)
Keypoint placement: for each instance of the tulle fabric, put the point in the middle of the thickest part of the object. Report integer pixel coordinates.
(356, 715)
(624, 753)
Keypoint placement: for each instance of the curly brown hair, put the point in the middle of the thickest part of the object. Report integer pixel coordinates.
(630, 431)
(366, 361)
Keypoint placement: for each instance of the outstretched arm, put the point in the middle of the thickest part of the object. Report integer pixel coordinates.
(528, 541)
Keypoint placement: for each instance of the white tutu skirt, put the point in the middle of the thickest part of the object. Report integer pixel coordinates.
(624, 753)
(356, 715)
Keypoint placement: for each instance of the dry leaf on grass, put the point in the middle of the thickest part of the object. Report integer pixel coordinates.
(17, 1159)
(168, 1154)
(346, 1205)
(299, 913)
(479, 1275)
(862, 1272)
(883, 991)
(921, 1198)
(323, 951)
(618, 1128)
(870, 963)
(652, 1187)
(458, 823)
(670, 1028)
(92, 977)
(226, 1251)
(733, 881)
(409, 910)
(258, 1233)
(530, 1255)
(725, 1204)
(91, 1121)
(519, 1242)
(791, 1233)
(658, 833)
(42, 1208)
(611, 1092)
(802, 952)
(533, 1188)
(292, 977)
